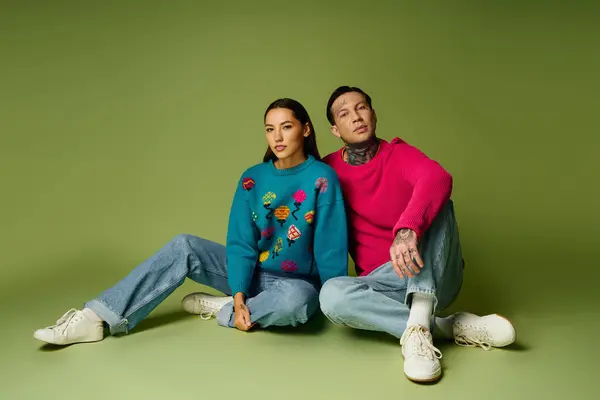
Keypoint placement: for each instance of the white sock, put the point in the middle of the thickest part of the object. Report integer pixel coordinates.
(91, 315)
(421, 310)
(444, 327)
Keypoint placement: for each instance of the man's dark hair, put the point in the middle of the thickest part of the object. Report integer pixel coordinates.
(337, 93)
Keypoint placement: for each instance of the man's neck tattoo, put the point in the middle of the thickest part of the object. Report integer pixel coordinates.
(361, 153)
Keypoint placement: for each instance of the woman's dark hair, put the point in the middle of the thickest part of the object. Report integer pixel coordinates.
(300, 113)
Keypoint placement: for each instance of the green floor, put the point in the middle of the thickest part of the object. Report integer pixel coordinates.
(177, 356)
(117, 120)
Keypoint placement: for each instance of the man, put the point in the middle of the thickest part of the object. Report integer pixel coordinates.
(404, 241)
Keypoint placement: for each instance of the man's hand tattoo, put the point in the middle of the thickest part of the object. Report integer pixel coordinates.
(404, 236)
(405, 256)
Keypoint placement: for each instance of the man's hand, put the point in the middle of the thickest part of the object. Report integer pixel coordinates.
(241, 318)
(404, 253)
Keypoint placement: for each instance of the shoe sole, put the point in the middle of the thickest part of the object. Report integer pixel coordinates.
(68, 344)
(430, 380)
(427, 380)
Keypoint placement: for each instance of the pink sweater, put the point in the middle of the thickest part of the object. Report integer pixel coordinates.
(400, 188)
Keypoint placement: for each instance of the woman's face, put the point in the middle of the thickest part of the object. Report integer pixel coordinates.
(285, 134)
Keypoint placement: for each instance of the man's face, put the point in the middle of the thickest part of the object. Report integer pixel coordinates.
(354, 120)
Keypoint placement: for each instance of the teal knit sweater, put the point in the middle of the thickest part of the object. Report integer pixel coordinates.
(290, 221)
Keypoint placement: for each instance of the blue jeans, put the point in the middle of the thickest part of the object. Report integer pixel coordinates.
(274, 300)
(380, 301)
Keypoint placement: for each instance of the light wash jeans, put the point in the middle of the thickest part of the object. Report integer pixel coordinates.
(275, 300)
(380, 301)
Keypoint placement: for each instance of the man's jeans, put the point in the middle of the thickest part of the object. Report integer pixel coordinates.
(380, 301)
(275, 300)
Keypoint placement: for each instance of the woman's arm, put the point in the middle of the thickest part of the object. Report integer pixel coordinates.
(241, 316)
(242, 244)
(331, 233)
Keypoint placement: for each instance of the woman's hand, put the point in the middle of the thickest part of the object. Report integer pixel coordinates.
(241, 318)
(404, 253)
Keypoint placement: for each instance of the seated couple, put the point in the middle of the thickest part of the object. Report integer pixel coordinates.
(294, 219)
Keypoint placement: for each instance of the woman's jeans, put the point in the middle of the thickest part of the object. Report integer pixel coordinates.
(275, 300)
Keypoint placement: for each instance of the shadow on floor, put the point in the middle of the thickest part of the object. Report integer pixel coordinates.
(442, 344)
(516, 346)
(372, 336)
(49, 348)
(156, 321)
(147, 324)
(313, 327)
(316, 325)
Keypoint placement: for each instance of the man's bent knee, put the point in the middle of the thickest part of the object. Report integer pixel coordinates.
(333, 296)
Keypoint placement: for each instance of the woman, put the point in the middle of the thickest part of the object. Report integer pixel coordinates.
(286, 237)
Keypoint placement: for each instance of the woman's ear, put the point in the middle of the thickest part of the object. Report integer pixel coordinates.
(307, 131)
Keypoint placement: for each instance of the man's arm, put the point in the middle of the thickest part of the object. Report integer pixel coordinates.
(432, 187)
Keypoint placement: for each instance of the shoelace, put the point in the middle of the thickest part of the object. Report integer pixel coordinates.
(470, 336)
(211, 310)
(63, 322)
(423, 346)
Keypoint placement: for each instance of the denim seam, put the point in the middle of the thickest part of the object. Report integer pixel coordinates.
(386, 291)
(438, 256)
(410, 290)
(215, 273)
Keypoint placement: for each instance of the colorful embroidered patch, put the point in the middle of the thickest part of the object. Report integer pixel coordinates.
(263, 256)
(278, 247)
(309, 217)
(267, 199)
(289, 266)
(248, 183)
(281, 213)
(267, 233)
(293, 234)
(321, 185)
(299, 197)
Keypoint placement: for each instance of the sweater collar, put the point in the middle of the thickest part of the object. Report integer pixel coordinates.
(294, 170)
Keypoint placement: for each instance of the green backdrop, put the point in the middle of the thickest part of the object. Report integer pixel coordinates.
(123, 124)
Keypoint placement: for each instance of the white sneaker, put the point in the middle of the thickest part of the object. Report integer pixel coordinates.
(486, 332)
(73, 327)
(204, 304)
(421, 357)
